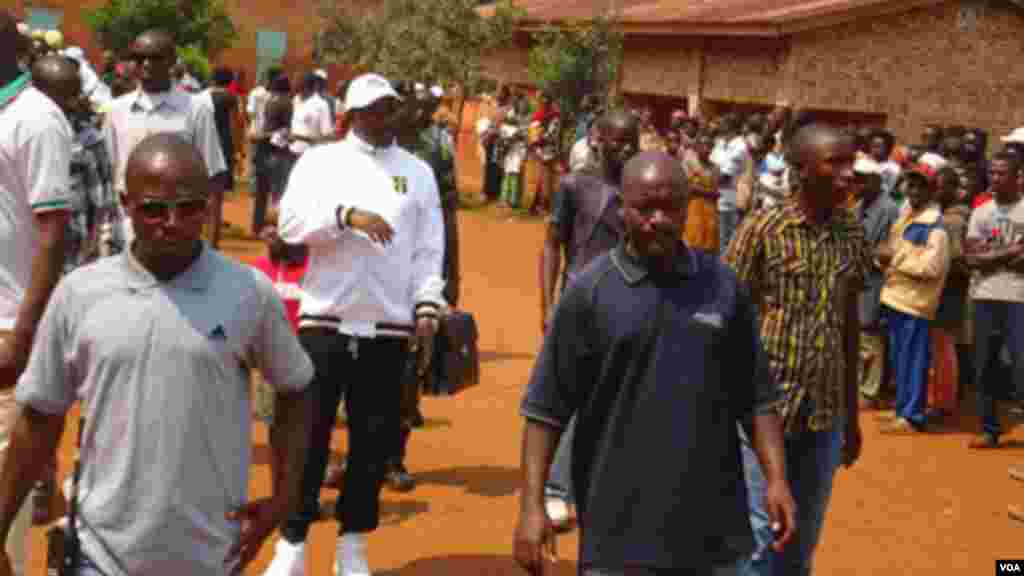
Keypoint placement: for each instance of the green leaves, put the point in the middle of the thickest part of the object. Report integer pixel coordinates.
(441, 41)
(575, 59)
(205, 24)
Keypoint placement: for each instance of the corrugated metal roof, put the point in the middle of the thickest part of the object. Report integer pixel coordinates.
(695, 13)
(742, 11)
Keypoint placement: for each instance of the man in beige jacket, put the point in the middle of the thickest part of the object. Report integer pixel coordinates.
(916, 259)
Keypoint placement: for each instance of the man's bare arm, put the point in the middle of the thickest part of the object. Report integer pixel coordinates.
(550, 266)
(46, 271)
(767, 440)
(34, 440)
(985, 259)
(293, 414)
(538, 450)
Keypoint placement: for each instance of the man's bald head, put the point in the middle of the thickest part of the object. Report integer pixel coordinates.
(620, 119)
(822, 157)
(156, 37)
(53, 69)
(620, 139)
(813, 140)
(655, 167)
(167, 158)
(57, 77)
(655, 196)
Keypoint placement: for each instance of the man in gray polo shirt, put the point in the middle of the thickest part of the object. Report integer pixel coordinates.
(152, 341)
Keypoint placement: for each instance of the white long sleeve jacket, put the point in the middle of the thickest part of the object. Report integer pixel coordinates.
(350, 278)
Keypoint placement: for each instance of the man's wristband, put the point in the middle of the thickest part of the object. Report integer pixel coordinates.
(341, 216)
(427, 310)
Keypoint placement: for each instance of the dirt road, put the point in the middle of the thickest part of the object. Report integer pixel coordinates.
(923, 504)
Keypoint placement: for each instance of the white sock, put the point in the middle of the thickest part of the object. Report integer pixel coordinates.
(351, 553)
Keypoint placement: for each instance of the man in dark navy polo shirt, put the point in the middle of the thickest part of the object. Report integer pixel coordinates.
(635, 350)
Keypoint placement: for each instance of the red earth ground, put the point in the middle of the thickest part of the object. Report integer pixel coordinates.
(922, 504)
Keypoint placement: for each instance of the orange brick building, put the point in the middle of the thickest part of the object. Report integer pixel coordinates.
(898, 63)
(270, 32)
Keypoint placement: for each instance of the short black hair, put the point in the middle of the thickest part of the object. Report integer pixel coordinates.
(310, 82)
(887, 138)
(271, 73)
(281, 84)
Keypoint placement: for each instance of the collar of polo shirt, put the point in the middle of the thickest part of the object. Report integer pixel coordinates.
(195, 278)
(634, 271)
(148, 101)
(364, 146)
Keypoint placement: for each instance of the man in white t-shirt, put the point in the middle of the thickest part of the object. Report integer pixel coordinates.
(995, 254)
(35, 204)
(312, 122)
(731, 158)
(259, 149)
(155, 108)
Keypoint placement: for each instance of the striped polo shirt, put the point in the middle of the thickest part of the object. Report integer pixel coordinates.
(35, 177)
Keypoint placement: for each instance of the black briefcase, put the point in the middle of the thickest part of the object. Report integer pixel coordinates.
(456, 364)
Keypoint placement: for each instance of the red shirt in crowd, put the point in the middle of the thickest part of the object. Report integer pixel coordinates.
(288, 283)
(981, 199)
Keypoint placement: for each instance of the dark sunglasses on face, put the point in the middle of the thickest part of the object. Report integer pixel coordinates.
(159, 210)
(139, 57)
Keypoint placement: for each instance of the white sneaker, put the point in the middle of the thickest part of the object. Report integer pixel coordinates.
(289, 559)
(558, 512)
(350, 556)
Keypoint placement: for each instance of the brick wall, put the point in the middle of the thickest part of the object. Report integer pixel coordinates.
(664, 66)
(747, 70)
(918, 68)
(911, 68)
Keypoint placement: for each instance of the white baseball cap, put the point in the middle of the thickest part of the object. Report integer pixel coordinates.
(367, 89)
(436, 91)
(321, 73)
(867, 167)
(1015, 137)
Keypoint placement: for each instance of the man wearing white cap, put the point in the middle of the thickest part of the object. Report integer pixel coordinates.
(876, 211)
(370, 213)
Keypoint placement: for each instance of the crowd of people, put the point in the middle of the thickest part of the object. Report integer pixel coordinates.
(781, 276)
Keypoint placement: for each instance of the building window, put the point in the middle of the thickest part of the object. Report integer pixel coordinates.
(271, 46)
(44, 18)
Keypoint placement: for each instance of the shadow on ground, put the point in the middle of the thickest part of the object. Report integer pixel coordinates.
(463, 565)
(489, 481)
(495, 356)
(392, 512)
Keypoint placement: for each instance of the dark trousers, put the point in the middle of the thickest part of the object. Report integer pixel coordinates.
(728, 569)
(493, 174)
(260, 184)
(1007, 318)
(279, 166)
(370, 381)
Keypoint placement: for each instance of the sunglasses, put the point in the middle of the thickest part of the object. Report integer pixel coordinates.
(155, 210)
(139, 57)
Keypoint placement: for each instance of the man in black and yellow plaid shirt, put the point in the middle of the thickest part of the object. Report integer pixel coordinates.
(805, 261)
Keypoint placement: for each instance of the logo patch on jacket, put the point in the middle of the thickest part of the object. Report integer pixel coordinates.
(401, 184)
